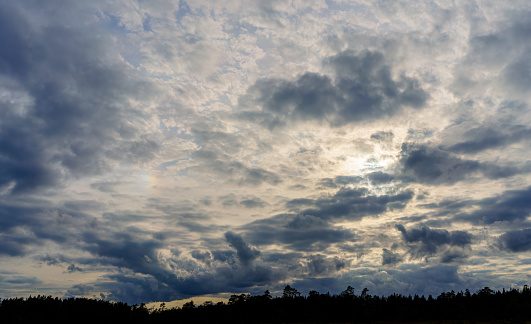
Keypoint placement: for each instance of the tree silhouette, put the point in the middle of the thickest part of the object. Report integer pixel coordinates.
(289, 292)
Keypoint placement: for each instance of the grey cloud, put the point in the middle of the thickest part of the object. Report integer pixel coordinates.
(510, 206)
(23, 224)
(505, 52)
(391, 258)
(453, 254)
(434, 166)
(76, 113)
(427, 241)
(15, 245)
(356, 204)
(339, 181)
(484, 138)
(299, 232)
(246, 254)
(438, 278)
(253, 202)
(235, 171)
(319, 265)
(17, 281)
(205, 256)
(383, 136)
(224, 256)
(124, 250)
(361, 88)
(379, 177)
(345, 180)
(73, 268)
(247, 201)
(516, 241)
(53, 260)
(79, 291)
(136, 289)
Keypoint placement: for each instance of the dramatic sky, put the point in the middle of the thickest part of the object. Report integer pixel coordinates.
(160, 150)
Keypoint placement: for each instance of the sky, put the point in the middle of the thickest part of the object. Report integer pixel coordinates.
(163, 150)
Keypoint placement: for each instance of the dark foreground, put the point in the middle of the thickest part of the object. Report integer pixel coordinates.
(484, 306)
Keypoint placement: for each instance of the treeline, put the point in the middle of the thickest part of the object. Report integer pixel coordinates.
(485, 305)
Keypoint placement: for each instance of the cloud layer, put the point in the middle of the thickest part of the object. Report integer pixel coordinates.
(165, 150)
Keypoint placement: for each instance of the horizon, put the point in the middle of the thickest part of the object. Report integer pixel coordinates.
(172, 150)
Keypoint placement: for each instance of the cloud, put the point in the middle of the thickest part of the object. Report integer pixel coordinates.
(320, 265)
(516, 241)
(73, 112)
(437, 278)
(435, 166)
(73, 268)
(484, 138)
(205, 256)
(298, 232)
(425, 241)
(246, 254)
(509, 206)
(354, 204)
(360, 88)
(390, 258)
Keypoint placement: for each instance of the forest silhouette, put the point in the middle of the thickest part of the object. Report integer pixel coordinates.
(483, 306)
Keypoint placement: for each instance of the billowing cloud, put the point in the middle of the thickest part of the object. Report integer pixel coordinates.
(360, 88)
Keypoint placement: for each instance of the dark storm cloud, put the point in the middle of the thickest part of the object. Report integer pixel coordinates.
(299, 232)
(425, 241)
(516, 241)
(361, 88)
(76, 111)
(355, 204)
(246, 254)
